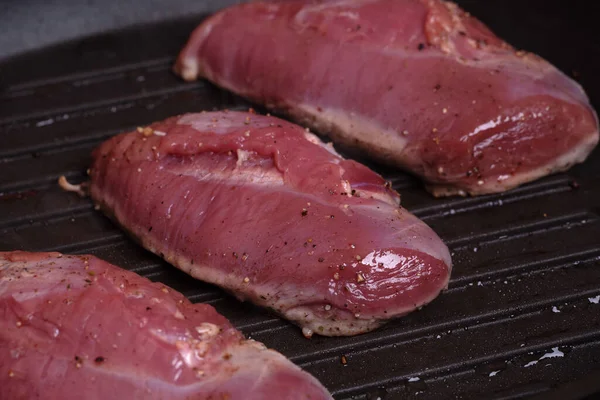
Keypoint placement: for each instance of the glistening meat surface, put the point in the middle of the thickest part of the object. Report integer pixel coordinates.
(416, 83)
(76, 327)
(264, 209)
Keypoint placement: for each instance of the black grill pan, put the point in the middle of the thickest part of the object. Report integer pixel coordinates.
(527, 262)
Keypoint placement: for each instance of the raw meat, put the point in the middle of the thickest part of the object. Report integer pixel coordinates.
(264, 209)
(416, 83)
(76, 327)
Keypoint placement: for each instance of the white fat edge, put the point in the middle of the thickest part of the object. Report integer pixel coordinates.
(355, 126)
(314, 139)
(347, 188)
(576, 155)
(220, 122)
(190, 70)
(319, 8)
(254, 175)
(242, 156)
(69, 187)
(214, 276)
(350, 15)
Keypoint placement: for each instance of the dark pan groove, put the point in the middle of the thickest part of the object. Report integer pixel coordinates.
(269, 325)
(556, 184)
(18, 222)
(53, 113)
(561, 261)
(49, 148)
(523, 230)
(205, 297)
(32, 86)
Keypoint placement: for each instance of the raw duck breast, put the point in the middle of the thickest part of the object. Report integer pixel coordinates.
(265, 210)
(415, 83)
(76, 327)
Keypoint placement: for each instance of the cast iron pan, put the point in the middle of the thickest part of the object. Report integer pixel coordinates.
(527, 262)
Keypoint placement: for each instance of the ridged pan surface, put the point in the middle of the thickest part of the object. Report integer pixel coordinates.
(522, 313)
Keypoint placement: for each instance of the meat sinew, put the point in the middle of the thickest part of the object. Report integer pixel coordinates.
(264, 209)
(416, 83)
(76, 327)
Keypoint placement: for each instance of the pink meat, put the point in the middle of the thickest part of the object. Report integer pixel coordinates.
(76, 327)
(415, 83)
(264, 209)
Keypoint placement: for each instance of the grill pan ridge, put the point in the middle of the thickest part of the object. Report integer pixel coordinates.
(526, 279)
